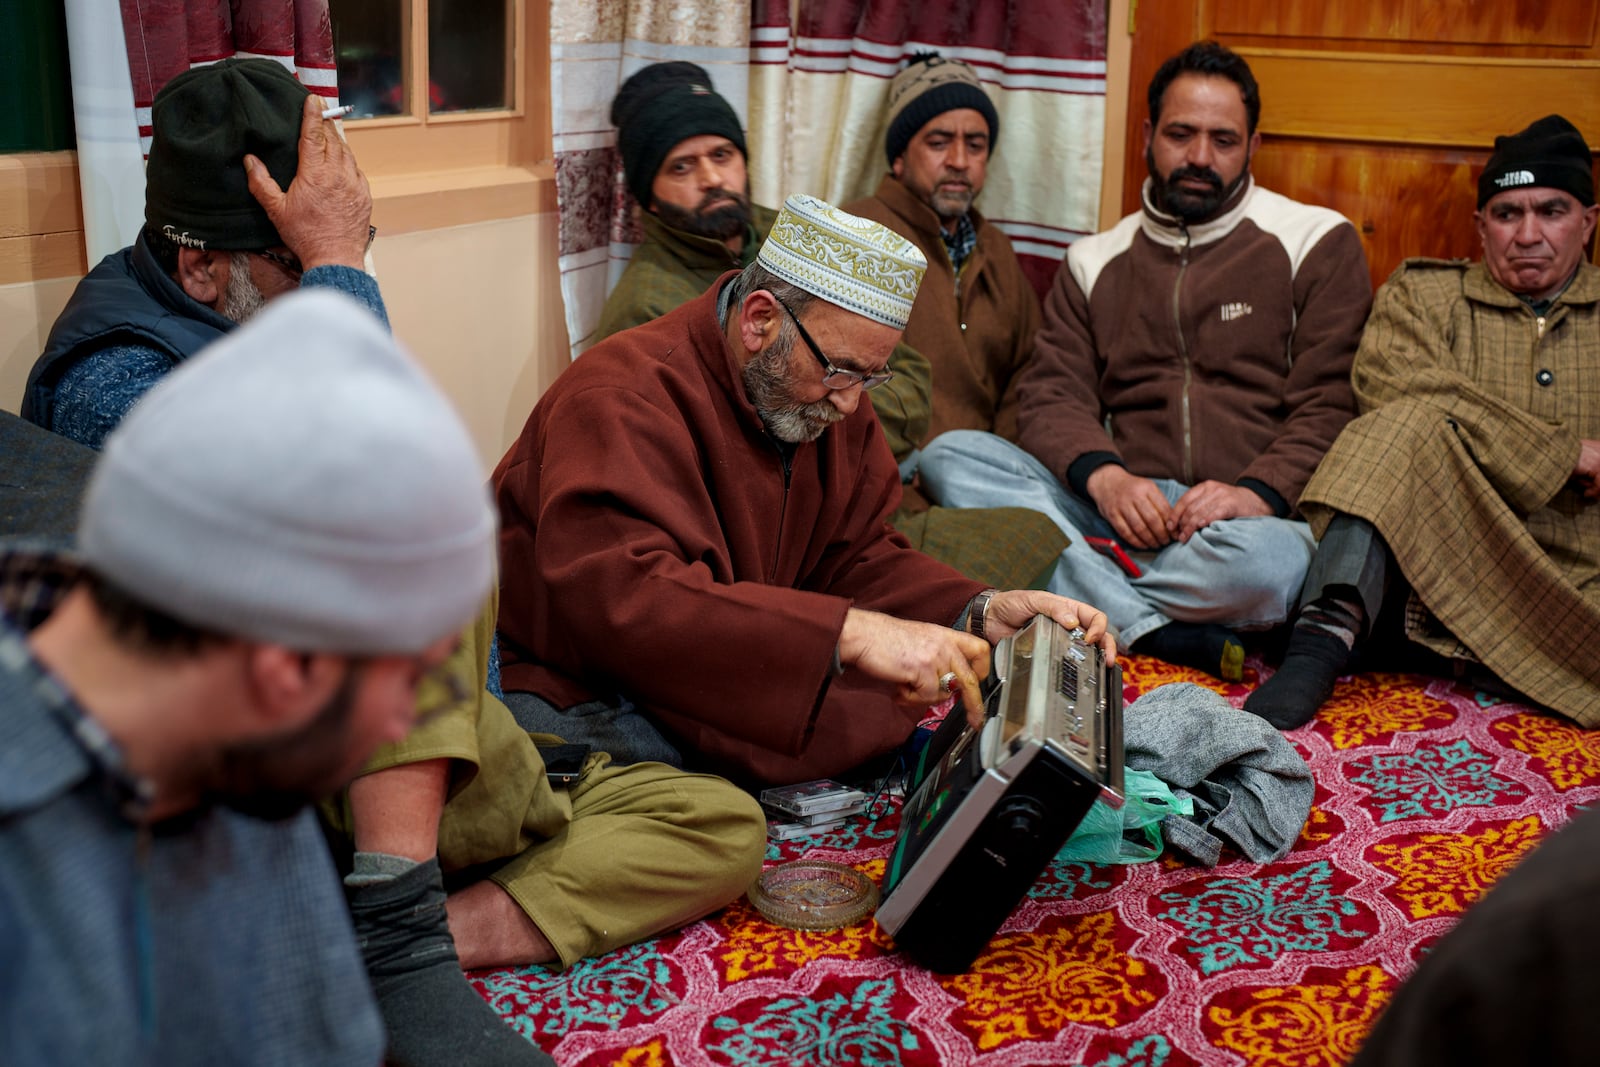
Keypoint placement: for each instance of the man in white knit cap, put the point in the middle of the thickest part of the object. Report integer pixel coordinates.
(280, 542)
(696, 562)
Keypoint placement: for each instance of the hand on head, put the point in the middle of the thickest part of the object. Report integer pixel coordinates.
(324, 215)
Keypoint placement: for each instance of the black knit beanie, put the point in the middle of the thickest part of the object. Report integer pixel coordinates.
(203, 122)
(929, 86)
(660, 106)
(1550, 153)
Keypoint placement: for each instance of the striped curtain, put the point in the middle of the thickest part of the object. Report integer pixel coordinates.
(166, 37)
(811, 93)
(818, 94)
(594, 46)
(123, 51)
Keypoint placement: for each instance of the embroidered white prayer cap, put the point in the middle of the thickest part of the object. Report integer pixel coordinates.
(861, 265)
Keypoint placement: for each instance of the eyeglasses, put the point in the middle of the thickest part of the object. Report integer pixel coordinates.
(834, 377)
(292, 265)
(289, 264)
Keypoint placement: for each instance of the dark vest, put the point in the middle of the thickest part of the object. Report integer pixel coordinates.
(126, 299)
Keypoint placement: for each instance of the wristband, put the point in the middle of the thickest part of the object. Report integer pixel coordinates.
(977, 613)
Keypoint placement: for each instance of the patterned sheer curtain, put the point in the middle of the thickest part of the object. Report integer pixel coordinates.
(138, 45)
(817, 98)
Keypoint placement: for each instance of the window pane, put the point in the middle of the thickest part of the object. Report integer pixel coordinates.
(369, 43)
(34, 77)
(469, 55)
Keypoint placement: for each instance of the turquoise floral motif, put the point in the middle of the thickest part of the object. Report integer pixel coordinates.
(1151, 1051)
(854, 834)
(859, 1029)
(596, 993)
(1430, 783)
(1237, 922)
(1073, 874)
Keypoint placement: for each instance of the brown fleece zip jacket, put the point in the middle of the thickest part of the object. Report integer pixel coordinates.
(1219, 350)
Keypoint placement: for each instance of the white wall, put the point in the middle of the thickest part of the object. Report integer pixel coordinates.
(479, 305)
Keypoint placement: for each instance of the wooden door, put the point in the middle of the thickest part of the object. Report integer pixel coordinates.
(1384, 110)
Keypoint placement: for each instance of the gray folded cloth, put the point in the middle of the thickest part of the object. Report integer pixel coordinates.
(1251, 788)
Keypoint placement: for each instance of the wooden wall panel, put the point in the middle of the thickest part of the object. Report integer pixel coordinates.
(1445, 101)
(1563, 24)
(1404, 202)
(1288, 18)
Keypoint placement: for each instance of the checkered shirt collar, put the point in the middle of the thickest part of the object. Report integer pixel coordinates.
(33, 581)
(960, 243)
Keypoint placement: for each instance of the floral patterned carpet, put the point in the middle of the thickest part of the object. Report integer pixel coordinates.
(1427, 793)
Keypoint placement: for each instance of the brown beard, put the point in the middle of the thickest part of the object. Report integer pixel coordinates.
(276, 778)
(730, 220)
(1185, 205)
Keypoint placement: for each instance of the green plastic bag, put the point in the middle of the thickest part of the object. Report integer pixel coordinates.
(1131, 834)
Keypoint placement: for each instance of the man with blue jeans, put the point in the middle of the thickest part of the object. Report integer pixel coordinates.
(1264, 558)
(1191, 370)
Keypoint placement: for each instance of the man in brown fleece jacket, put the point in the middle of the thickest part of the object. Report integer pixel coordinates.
(976, 312)
(1192, 369)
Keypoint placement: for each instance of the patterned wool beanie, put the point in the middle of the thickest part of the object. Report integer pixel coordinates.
(929, 86)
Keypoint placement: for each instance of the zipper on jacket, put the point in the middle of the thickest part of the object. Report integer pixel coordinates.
(1183, 354)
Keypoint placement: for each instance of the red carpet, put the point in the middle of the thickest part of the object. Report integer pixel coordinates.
(1426, 794)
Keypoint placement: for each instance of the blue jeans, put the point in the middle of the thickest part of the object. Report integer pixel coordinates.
(1242, 573)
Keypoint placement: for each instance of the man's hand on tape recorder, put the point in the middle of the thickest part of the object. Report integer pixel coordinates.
(1010, 611)
(925, 662)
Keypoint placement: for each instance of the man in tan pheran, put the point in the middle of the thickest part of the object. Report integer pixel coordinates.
(1472, 476)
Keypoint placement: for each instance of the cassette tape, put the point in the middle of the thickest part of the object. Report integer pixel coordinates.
(814, 798)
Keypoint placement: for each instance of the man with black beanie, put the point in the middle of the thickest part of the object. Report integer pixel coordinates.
(977, 313)
(683, 158)
(1461, 510)
(249, 194)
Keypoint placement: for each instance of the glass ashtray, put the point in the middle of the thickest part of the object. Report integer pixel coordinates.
(814, 895)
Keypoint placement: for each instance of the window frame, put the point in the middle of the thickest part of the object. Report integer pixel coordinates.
(500, 162)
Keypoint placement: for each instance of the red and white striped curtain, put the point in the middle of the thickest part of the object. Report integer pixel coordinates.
(120, 63)
(167, 37)
(818, 95)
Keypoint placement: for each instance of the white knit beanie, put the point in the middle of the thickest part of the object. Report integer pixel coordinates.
(300, 482)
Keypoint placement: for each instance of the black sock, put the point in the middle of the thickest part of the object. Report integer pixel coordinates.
(1205, 646)
(432, 1015)
(1304, 683)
